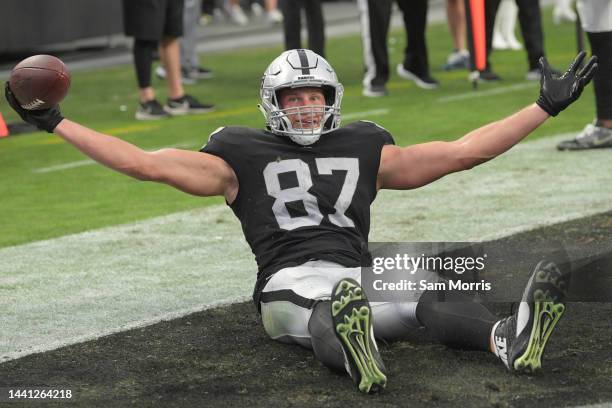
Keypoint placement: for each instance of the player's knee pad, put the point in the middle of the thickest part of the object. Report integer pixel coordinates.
(325, 345)
(455, 319)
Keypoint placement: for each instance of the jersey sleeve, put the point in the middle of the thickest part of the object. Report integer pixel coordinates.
(379, 131)
(222, 143)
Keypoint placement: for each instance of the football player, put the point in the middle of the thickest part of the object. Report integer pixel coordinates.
(302, 190)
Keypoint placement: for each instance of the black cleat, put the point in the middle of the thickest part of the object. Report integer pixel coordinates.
(424, 81)
(151, 110)
(352, 318)
(521, 338)
(187, 104)
(375, 91)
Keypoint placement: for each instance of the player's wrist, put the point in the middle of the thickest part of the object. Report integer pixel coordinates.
(53, 124)
(547, 106)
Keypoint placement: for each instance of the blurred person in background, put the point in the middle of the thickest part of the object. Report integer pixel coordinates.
(273, 15)
(292, 24)
(503, 29)
(375, 16)
(207, 11)
(191, 70)
(459, 58)
(563, 11)
(234, 12)
(596, 19)
(267, 9)
(155, 23)
(530, 20)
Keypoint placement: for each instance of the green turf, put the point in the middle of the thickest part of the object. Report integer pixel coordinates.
(38, 206)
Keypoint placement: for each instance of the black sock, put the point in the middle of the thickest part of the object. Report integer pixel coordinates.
(456, 319)
(326, 346)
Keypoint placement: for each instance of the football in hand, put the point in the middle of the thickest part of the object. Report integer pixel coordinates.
(39, 82)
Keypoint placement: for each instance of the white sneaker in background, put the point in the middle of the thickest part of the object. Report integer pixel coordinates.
(457, 59)
(256, 9)
(274, 16)
(563, 12)
(218, 15)
(499, 43)
(504, 26)
(237, 16)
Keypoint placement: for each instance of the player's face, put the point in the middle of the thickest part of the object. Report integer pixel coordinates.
(305, 106)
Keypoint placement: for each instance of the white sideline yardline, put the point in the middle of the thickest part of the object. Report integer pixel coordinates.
(489, 92)
(365, 114)
(87, 162)
(77, 287)
(69, 165)
(130, 325)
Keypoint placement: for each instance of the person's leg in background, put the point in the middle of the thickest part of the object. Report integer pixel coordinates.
(169, 47)
(190, 63)
(562, 11)
(596, 18)
(459, 58)
(272, 14)
(601, 45)
(179, 103)
(169, 53)
(416, 64)
(503, 29)
(189, 41)
(316, 26)
(375, 17)
(292, 23)
(145, 22)
(530, 20)
(234, 12)
(143, 61)
(149, 108)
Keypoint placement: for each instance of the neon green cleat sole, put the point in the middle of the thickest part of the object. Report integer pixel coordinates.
(520, 339)
(547, 314)
(352, 318)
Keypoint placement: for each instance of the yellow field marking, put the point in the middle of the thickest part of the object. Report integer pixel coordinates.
(139, 127)
(223, 114)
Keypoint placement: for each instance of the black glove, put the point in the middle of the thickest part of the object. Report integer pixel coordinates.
(557, 93)
(44, 119)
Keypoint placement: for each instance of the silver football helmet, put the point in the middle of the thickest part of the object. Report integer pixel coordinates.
(298, 69)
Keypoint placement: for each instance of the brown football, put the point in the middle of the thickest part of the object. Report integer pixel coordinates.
(40, 82)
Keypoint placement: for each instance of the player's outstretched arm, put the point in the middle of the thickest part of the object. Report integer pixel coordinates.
(195, 173)
(417, 165)
(192, 172)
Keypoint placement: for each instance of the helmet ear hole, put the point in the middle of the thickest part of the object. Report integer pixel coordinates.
(330, 95)
(277, 96)
(329, 122)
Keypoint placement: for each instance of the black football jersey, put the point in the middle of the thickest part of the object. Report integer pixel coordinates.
(299, 203)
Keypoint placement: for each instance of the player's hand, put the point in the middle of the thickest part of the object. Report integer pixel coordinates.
(44, 119)
(557, 93)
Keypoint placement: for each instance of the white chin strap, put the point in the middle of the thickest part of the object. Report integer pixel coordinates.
(303, 136)
(306, 138)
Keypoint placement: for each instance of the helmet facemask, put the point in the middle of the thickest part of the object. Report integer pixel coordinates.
(304, 124)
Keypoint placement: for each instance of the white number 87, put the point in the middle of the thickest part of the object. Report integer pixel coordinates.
(300, 192)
